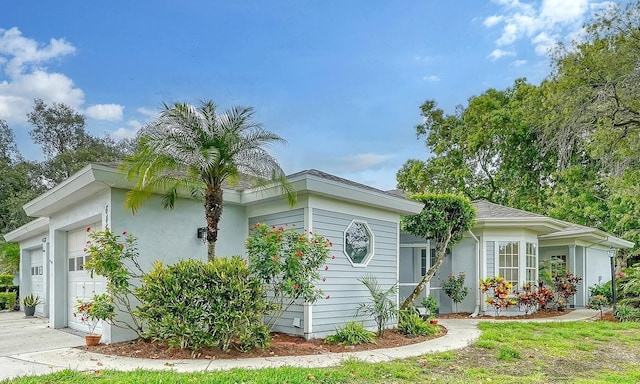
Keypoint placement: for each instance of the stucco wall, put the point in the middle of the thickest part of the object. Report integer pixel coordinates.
(464, 260)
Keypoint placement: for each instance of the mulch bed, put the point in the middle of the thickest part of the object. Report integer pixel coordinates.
(281, 345)
(540, 314)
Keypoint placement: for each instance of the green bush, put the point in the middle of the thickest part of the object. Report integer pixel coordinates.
(627, 313)
(5, 281)
(412, 325)
(353, 333)
(598, 302)
(7, 300)
(194, 304)
(602, 289)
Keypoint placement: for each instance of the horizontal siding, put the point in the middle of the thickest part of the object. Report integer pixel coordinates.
(289, 219)
(342, 287)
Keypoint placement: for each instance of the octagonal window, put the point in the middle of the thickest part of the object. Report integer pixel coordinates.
(358, 242)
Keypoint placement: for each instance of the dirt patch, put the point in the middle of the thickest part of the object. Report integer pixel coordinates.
(281, 345)
(541, 314)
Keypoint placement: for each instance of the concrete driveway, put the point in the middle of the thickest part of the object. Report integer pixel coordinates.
(20, 335)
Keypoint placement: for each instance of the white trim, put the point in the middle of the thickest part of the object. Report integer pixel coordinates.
(371, 251)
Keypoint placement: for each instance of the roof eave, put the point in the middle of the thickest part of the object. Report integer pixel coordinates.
(32, 228)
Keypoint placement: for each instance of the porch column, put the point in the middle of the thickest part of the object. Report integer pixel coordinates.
(572, 268)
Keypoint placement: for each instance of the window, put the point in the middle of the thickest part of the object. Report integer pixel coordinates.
(558, 265)
(532, 262)
(508, 255)
(358, 243)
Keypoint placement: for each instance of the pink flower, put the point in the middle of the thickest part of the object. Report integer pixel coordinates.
(84, 249)
(333, 257)
(330, 244)
(328, 297)
(88, 229)
(296, 286)
(324, 279)
(299, 254)
(124, 232)
(326, 267)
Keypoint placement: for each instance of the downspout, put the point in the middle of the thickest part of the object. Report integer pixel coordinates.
(476, 311)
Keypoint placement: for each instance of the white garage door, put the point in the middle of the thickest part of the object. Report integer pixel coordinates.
(37, 285)
(79, 284)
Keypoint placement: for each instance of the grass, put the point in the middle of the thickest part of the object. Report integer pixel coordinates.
(507, 352)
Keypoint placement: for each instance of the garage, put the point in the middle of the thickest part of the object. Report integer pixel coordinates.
(80, 286)
(37, 274)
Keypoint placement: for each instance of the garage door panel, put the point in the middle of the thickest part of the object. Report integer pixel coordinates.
(80, 284)
(37, 281)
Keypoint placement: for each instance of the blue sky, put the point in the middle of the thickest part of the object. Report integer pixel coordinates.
(341, 81)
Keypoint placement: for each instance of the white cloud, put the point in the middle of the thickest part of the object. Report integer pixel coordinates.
(107, 112)
(542, 24)
(431, 78)
(147, 112)
(363, 161)
(499, 53)
(24, 79)
(127, 133)
(519, 63)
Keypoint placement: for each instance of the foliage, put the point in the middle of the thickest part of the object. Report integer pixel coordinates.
(6, 280)
(92, 312)
(116, 258)
(629, 292)
(566, 286)
(430, 303)
(60, 132)
(499, 296)
(598, 302)
(31, 301)
(9, 260)
(7, 300)
(412, 325)
(454, 288)
(548, 268)
(602, 290)
(194, 151)
(544, 296)
(194, 304)
(527, 300)
(444, 219)
(381, 306)
(287, 264)
(625, 312)
(353, 333)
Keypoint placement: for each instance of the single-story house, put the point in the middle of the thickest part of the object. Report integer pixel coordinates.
(363, 224)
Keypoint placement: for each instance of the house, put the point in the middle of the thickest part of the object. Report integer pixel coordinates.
(363, 224)
(510, 243)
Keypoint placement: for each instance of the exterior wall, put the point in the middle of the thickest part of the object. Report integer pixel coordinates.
(597, 271)
(27, 246)
(464, 260)
(342, 286)
(79, 215)
(295, 313)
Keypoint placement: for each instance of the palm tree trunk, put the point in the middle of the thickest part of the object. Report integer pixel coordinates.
(213, 212)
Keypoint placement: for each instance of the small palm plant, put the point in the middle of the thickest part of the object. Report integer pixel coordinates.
(381, 307)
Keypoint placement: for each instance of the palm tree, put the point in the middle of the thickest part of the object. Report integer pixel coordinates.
(193, 149)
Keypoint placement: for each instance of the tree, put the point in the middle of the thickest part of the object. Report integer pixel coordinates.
(195, 150)
(444, 219)
(61, 133)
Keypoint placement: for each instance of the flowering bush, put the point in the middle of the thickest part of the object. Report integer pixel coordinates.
(287, 263)
(94, 311)
(501, 293)
(454, 288)
(115, 257)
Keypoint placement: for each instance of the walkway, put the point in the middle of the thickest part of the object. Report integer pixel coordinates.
(461, 333)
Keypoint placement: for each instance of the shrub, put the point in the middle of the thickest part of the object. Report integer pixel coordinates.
(412, 325)
(7, 300)
(627, 313)
(527, 299)
(381, 307)
(6, 280)
(287, 264)
(602, 289)
(544, 295)
(454, 288)
(566, 286)
(194, 304)
(353, 333)
(92, 312)
(500, 297)
(598, 302)
(430, 304)
(116, 258)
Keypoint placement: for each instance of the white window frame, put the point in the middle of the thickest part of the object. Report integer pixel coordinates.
(370, 252)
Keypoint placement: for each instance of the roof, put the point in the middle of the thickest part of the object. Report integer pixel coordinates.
(488, 210)
(324, 175)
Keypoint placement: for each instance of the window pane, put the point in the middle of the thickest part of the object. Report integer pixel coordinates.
(357, 242)
(80, 263)
(72, 265)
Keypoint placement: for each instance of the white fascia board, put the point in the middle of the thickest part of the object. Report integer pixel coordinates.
(546, 223)
(617, 242)
(28, 230)
(320, 186)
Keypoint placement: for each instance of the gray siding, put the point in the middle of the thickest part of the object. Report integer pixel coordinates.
(342, 286)
(289, 219)
(491, 258)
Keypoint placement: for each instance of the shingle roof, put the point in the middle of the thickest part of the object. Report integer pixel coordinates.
(488, 210)
(327, 176)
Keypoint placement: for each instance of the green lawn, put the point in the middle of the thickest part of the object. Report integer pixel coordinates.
(507, 352)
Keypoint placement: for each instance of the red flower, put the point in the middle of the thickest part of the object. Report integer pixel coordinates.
(330, 244)
(299, 254)
(84, 249)
(326, 267)
(88, 229)
(275, 259)
(296, 286)
(124, 232)
(333, 257)
(328, 297)
(324, 279)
